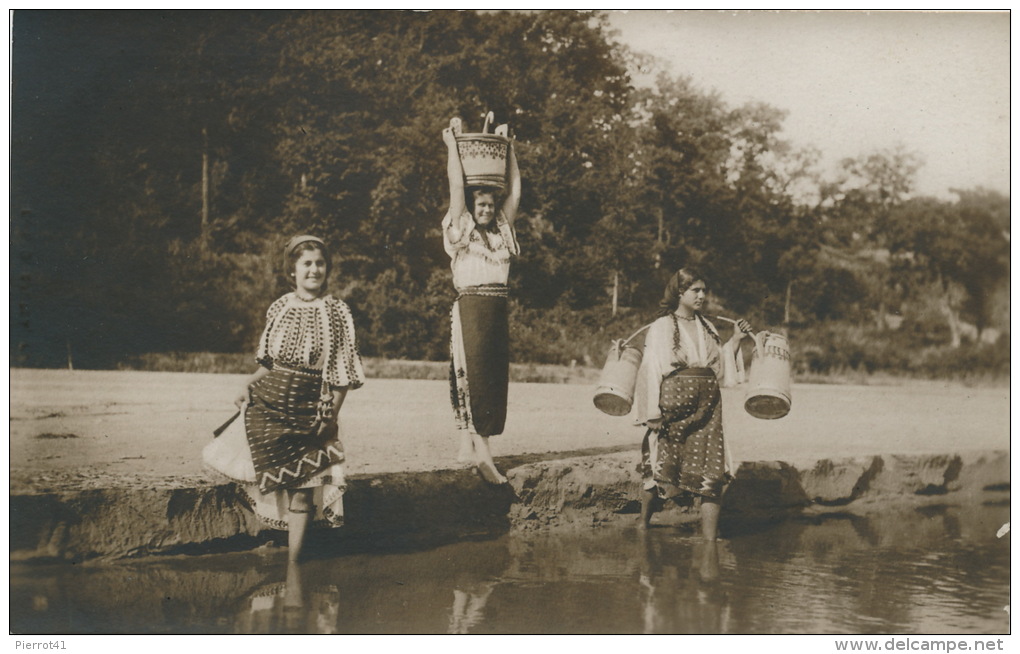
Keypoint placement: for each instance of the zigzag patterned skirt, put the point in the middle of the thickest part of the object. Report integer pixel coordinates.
(275, 448)
(687, 455)
(281, 427)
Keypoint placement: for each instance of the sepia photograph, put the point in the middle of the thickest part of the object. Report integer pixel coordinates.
(510, 322)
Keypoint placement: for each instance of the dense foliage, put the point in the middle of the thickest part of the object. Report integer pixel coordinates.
(161, 160)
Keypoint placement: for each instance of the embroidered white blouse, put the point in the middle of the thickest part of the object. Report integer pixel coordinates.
(317, 335)
(697, 349)
(478, 259)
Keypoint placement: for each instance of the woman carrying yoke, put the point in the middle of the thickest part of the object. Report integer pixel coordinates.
(677, 398)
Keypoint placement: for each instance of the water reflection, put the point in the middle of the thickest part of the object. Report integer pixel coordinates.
(469, 607)
(681, 593)
(290, 607)
(933, 571)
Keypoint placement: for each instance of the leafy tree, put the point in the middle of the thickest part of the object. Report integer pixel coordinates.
(164, 158)
(855, 214)
(956, 250)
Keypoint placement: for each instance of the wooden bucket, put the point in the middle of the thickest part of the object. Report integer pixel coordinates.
(768, 383)
(483, 156)
(614, 394)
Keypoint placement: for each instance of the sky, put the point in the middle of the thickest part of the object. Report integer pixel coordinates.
(937, 83)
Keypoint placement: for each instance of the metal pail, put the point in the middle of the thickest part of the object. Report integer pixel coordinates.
(615, 393)
(768, 384)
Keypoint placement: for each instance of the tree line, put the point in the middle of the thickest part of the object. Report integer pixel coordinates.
(160, 160)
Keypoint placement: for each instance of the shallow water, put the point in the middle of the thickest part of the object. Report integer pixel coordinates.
(937, 570)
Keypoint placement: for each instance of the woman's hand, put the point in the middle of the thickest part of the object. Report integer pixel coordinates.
(329, 409)
(740, 330)
(655, 424)
(448, 138)
(242, 396)
(244, 393)
(325, 426)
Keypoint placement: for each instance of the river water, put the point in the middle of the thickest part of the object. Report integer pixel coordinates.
(939, 569)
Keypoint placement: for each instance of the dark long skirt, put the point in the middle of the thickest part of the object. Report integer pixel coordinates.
(687, 455)
(282, 432)
(480, 368)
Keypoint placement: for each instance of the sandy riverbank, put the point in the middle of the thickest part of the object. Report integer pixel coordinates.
(103, 428)
(107, 464)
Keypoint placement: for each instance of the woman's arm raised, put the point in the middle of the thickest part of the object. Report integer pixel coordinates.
(455, 173)
(513, 196)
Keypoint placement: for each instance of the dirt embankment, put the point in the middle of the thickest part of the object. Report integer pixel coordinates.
(421, 508)
(107, 464)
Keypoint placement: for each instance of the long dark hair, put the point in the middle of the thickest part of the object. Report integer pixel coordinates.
(682, 280)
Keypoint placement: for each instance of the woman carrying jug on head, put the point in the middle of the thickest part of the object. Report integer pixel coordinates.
(478, 234)
(677, 398)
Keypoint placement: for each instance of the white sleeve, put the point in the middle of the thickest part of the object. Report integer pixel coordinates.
(656, 363)
(465, 226)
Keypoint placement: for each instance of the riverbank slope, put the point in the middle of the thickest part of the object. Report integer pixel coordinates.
(107, 463)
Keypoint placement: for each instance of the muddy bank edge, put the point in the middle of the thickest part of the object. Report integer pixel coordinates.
(427, 508)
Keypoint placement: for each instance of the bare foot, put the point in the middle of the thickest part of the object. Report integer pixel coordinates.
(491, 474)
(486, 466)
